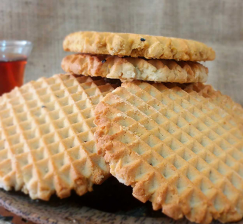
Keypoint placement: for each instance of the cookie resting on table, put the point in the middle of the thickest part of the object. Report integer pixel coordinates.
(177, 146)
(46, 136)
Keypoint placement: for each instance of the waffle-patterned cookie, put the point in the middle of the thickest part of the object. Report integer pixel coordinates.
(137, 45)
(219, 99)
(129, 69)
(46, 136)
(178, 149)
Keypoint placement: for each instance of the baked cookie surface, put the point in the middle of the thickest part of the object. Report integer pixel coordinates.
(137, 45)
(46, 136)
(176, 146)
(128, 69)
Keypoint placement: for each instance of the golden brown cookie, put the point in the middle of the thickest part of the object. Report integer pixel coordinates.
(128, 69)
(46, 137)
(176, 147)
(224, 101)
(137, 45)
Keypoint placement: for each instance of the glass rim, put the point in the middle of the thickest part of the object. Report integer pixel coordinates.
(15, 43)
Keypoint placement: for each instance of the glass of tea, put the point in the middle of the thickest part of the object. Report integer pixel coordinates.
(13, 58)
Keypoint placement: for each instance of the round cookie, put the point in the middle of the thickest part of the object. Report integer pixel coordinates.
(128, 69)
(176, 146)
(47, 136)
(137, 45)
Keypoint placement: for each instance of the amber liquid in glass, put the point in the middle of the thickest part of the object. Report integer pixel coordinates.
(12, 68)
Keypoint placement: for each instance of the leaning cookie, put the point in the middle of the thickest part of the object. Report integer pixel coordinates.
(46, 136)
(176, 147)
(128, 69)
(138, 45)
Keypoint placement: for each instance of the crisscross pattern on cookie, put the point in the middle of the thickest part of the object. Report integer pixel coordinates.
(46, 136)
(219, 99)
(178, 149)
(129, 69)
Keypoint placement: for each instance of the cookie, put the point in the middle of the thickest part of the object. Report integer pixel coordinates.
(137, 45)
(128, 69)
(176, 147)
(46, 137)
(224, 101)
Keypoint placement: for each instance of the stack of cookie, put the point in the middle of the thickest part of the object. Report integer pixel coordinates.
(176, 141)
(131, 57)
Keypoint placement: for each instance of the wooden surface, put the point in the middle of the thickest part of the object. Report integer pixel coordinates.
(219, 23)
(9, 217)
